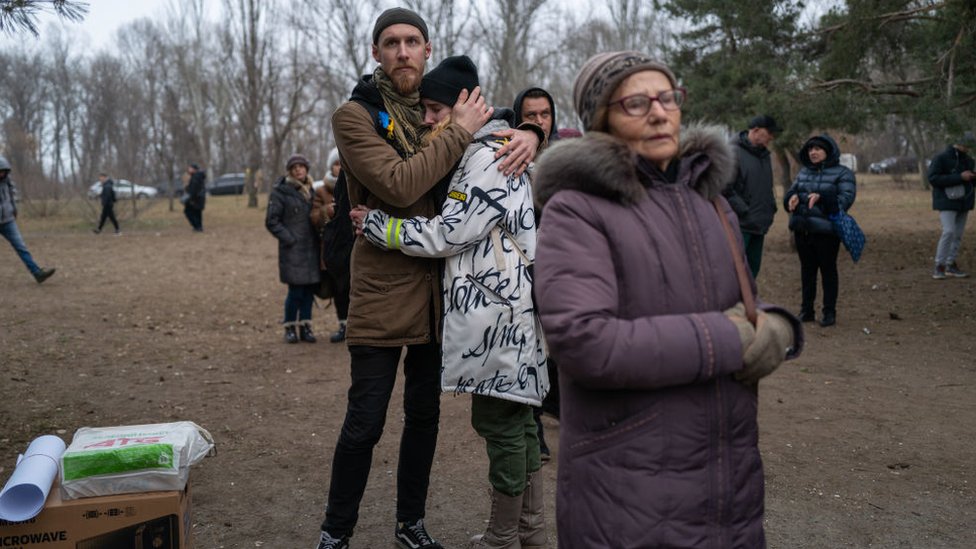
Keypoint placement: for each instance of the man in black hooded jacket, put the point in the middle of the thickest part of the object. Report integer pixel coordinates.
(536, 105)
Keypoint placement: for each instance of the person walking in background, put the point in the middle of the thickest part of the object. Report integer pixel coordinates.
(108, 199)
(330, 214)
(642, 305)
(751, 191)
(486, 234)
(823, 187)
(195, 196)
(8, 223)
(952, 167)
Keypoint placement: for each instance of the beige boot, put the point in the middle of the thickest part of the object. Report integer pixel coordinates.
(532, 521)
(503, 525)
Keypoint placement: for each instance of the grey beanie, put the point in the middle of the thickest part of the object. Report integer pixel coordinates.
(600, 76)
(4, 165)
(967, 139)
(395, 16)
(295, 160)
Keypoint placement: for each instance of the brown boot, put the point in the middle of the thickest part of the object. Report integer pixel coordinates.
(503, 525)
(532, 521)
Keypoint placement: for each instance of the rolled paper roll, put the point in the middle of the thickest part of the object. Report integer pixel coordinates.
(23, 496)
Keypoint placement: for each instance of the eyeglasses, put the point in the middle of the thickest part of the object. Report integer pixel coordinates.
(640, 105)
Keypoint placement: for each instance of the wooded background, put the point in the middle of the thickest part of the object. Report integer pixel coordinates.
(242, 91)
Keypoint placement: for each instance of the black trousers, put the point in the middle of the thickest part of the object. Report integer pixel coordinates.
(108, 212)
(374, 371)
(818, 252)
(194, 216)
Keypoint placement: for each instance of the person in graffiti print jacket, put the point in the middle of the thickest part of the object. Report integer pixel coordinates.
(492, 345)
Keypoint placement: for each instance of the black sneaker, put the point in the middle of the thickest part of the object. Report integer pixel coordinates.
(413, 535)
(807, 316)
(339, 336)
(328, 542)
(43, 274)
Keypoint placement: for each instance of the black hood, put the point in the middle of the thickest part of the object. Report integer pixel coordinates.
(828, 144)
(554, 131)
(366, 91)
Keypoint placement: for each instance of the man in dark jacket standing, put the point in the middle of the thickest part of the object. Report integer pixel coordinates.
(8, 223)
(108, 203)
(951, 174)
(195, 196)
(536, 105)
(751, 192)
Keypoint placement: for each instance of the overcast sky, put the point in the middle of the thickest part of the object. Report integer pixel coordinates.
(104, 18)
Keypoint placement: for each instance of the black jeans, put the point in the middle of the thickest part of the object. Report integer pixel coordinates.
(108, 212)
(374, 372)
(195, 217)
(818, 252)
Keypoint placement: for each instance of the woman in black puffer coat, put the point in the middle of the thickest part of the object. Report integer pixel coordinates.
(288, 220)
(822, 188)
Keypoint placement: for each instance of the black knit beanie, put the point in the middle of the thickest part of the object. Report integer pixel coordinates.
(445, 82)
(394, 16)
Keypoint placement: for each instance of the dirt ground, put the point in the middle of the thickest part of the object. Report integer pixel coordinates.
(867, 438)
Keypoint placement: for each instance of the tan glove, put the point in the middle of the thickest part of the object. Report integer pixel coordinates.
(774, 335)
(747, 332)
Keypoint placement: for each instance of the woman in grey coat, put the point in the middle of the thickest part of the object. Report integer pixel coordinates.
(641, 305)
(288, 220)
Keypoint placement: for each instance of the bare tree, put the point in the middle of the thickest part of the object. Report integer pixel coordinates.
(247, 39)
(449, 24)
(515, 46)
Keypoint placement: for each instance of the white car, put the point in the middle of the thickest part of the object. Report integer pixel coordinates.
(124, 189)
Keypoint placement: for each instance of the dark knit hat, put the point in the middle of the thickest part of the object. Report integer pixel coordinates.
(600, 76)
(394, 16)
(295, 160)
(445, 82)
(967, 139)
(767, 122)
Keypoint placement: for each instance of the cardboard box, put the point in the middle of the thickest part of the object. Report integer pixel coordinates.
(148, 520)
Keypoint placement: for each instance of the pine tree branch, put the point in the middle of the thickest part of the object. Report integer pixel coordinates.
(21, 15)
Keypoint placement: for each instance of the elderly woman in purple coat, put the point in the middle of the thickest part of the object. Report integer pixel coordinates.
(641, 302)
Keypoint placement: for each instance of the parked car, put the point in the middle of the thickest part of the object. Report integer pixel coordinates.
(164, 188)
(895, 164)
(229, 183)
(124, 189)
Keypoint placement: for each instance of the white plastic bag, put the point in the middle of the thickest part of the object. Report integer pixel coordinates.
(136, 458)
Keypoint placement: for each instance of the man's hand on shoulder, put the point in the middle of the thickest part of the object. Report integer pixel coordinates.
(521, 150)
(470, 111)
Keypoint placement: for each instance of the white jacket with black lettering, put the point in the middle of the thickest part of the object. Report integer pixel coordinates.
(492, 343)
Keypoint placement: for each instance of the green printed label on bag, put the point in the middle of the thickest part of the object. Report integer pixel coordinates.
(77, 465)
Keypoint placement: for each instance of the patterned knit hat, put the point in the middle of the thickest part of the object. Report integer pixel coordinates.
(295, 160)
(600, 76)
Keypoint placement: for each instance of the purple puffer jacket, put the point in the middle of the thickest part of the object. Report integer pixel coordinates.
(658, 443)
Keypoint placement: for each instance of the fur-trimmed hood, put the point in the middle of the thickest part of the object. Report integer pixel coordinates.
(603, 165)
